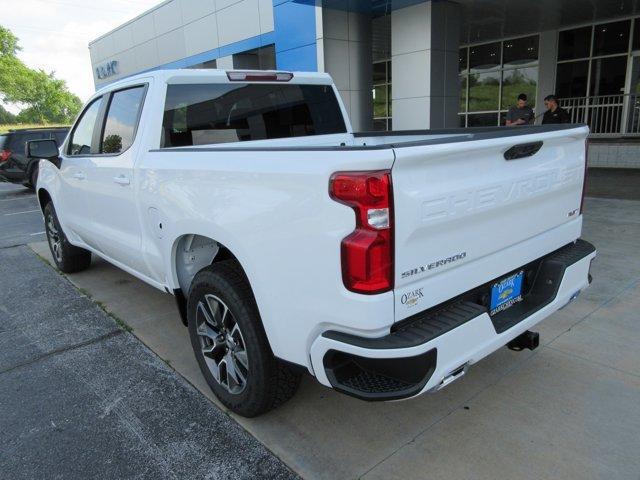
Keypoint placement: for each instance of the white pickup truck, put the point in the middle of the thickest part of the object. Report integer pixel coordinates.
(384, 264)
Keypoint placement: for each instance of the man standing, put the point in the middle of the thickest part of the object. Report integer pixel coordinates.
(555, 113)
(520, 114)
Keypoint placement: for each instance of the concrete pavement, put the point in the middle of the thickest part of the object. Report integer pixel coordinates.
(568, 409)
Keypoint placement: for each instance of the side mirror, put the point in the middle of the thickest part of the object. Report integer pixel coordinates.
(47, 149)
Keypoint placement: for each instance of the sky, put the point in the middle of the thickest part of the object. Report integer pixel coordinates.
(55, 34)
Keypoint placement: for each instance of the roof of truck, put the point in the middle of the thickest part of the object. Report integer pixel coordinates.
(189, 75)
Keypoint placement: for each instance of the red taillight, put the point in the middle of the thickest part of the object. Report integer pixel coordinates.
(584, 180)
(4, 155)
(367, 253)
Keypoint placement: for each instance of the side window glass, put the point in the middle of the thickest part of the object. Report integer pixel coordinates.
(82, 135)
(122, 120)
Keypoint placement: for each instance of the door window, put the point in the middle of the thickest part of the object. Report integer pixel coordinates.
(81, 142)
(122, 120)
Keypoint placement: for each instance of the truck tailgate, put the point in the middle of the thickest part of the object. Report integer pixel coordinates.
(465, 215)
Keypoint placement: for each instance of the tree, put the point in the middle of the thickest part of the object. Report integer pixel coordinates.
(44, 98)
(6, 116)
(8, 42)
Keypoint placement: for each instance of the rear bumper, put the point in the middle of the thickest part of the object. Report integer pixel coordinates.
(433, 348)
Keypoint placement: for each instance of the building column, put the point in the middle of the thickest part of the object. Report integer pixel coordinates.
(425, 41)
(344, 52)
(547, 55)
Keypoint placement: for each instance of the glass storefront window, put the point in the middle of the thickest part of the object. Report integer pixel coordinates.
(571, 79)
(484, 57)
(381, 95)
(611, 38)
(608, 75)
(463, 93)
(262, 58)
(636, 34)
(521, 52)
(380, 125)
(497, 73)
(484, 91)
(482, 120)
(575, 43)
(379, 72)
(380, 101)
(462, 62)
(517, 81)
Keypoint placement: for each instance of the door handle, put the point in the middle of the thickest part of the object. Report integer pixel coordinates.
(122, 180)
(79, 175)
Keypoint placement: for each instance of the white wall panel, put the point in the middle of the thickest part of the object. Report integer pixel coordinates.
(411, 29)
(335, 24)
(409, 112)
(146, 55)
(171, 46)
(201, 35)
(195, 9)
(266, 15)
(168, 17)
(238, 22)
(143, 29)
(220, 4)
(336, 61)
(122, 39)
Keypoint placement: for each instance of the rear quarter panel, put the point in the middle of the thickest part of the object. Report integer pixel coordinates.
(272, 209)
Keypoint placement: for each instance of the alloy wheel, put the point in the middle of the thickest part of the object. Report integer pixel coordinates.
(222, 344)
(54, 237)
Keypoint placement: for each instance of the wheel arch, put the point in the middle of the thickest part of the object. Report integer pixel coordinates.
(44, 197)
(190, 253)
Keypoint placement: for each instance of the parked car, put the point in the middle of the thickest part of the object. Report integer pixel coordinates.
(15, 167)
(383, 264)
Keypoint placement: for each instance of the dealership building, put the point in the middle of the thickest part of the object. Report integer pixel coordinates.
(413, 64)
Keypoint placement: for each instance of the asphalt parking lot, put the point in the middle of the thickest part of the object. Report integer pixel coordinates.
(80, 397)
(20, 217)
(569, 409)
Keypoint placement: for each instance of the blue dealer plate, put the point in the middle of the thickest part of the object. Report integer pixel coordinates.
(506, 292)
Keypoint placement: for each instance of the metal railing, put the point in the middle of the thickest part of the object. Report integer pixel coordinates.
(606, 115)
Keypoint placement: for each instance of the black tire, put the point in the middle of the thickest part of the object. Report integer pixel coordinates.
(268, 382)
(68, 258)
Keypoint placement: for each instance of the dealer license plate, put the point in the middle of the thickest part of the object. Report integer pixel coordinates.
(506, 293)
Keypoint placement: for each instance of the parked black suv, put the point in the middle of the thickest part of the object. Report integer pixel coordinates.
(15, 167)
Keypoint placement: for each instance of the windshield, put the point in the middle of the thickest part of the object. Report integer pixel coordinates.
(222, 113)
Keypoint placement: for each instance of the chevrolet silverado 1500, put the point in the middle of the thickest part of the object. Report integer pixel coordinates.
(384, 264)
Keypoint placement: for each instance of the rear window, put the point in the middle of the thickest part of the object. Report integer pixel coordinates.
(3, 140)
(223, 113)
